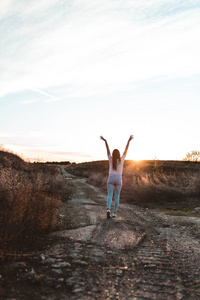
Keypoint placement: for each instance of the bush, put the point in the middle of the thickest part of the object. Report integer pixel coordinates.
(147, 189)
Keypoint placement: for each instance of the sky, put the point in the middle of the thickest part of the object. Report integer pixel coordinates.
(72, 70)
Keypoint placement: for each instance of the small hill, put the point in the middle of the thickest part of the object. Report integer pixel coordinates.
(11, 160)
(147, 166)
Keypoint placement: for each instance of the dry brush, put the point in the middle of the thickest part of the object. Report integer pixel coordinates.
(29, 197)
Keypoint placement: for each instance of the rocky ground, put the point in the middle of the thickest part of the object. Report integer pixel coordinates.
(141, 254)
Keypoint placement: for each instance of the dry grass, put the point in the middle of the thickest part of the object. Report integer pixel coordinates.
(148, 183)
(29, 197)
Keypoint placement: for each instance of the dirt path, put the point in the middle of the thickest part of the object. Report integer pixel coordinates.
(142, 254)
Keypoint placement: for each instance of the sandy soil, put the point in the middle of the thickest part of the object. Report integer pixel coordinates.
(141, 254)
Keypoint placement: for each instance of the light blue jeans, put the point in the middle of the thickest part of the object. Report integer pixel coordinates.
(114, 182)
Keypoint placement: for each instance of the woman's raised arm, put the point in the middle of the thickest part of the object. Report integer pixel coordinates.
(107, 148)
(126, 149)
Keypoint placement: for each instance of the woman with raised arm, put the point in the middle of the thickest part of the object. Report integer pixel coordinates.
(115, 175)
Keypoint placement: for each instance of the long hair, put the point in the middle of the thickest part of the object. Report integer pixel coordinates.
(115, 158)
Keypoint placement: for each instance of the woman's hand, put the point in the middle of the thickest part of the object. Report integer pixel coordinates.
(108, 150)
(131, 138)
(102, 138)
(126, 149)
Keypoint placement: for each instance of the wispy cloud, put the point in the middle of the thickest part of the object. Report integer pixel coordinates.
(96, 47)
(64, 153)
(31, 134)
(39, 153)
(51, 97)
(31, 101)
(5, 8)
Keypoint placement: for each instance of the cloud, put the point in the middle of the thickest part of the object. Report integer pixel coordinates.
(5, 8)
(31, 134)
(51, 97)
(31, 101)
(42, 154)
(63, 153)
(95, 47)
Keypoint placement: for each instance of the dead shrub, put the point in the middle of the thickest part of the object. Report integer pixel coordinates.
(150, 189)
(97, 179)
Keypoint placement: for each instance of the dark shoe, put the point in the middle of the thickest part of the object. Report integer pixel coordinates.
(108, 214)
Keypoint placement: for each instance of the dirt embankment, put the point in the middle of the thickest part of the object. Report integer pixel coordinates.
(142, 254)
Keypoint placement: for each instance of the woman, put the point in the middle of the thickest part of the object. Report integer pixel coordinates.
(115, 175)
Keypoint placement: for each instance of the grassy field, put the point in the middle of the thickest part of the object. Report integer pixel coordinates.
(161, 184)
(29, 197)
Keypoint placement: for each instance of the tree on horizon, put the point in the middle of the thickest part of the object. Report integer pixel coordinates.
(193, 155)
